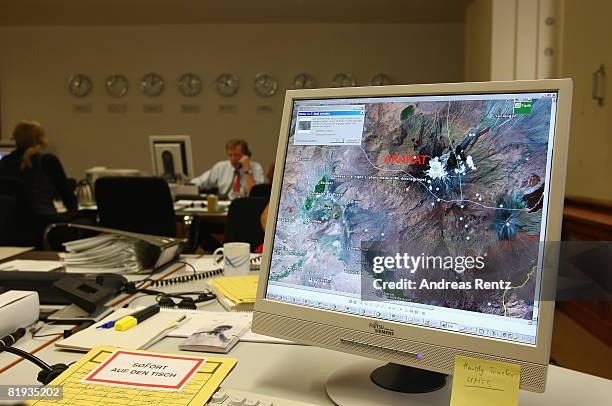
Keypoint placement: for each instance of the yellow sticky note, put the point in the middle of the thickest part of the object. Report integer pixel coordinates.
(479, 382)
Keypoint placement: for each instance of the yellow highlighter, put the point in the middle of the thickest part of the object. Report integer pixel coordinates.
(127, 322)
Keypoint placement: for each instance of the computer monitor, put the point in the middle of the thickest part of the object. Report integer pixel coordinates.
(171, 156)
(6, 149)
(383, 188)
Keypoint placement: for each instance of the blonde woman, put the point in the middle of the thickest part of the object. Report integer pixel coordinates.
(42, 173)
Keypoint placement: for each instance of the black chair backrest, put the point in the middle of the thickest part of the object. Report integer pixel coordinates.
(243, 223)
(8, 209)
(24, 227)
(261, 190)
(136, 204)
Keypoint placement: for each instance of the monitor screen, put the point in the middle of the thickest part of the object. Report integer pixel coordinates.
(171, 156)
(424, 210)
(5, 150)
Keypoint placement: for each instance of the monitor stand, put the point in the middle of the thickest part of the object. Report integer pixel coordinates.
(369, 383)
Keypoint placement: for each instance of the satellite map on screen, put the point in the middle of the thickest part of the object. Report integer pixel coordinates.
(430, 177)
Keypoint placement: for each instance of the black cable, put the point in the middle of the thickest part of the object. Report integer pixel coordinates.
(134, 299)
(27, 356)
(47, 335)
(187, 263)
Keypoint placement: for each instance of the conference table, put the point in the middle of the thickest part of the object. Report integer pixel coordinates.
(296, 372)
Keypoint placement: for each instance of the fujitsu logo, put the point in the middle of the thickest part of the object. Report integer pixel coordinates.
(381, 329)
(406, 159)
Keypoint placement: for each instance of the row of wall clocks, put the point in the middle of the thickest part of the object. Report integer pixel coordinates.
(226, 84)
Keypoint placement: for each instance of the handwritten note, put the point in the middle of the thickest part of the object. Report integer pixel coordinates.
(479, 382)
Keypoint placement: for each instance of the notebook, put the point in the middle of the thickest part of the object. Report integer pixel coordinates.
(138, 337)
(236, 293)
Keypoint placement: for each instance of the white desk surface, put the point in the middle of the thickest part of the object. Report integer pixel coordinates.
(299, 372)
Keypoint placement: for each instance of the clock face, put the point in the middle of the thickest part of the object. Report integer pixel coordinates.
(190, 85)
(343, 80)
(227, 84)
(304, 81)
(265, 85)
(80, 85)
(152, 85)
(116, 85)
(380, 79)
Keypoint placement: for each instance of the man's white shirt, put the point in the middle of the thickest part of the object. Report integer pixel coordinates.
(221, 176)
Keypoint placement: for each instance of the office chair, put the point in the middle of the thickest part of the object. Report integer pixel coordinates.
(261, 190)
(243, 221)
(8, 207)
(136, 204)
(23, 227)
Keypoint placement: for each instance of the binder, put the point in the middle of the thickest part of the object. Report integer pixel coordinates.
(119, 251)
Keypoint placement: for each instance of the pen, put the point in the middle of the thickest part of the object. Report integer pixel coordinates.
(111, 324)
(12, 338)
(127, 322)
(76, 329)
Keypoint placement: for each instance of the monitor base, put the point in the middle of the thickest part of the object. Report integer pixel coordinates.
(401, 378)
(353, 386)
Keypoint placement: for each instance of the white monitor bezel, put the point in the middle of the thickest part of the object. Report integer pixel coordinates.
(538, 353)
(186, 139)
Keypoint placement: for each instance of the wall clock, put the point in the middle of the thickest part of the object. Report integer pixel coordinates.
(116, 85)
(380, 79)
(227, 84)
(190, 85)
(152, 84)
(265, 85)
(80, 85)
(304, 81)
(343, 79)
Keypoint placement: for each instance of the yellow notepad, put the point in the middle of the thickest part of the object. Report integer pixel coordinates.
(239, 289)
(195, 391)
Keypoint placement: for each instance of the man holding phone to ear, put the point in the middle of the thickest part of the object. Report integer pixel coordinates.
(234, 177)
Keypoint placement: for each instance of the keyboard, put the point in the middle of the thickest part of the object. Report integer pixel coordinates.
(235, 397)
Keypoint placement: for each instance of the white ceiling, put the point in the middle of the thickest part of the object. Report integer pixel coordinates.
(134, 12)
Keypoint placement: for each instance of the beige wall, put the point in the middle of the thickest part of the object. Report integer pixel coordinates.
(586, 45)
(36, 62)
(478, 31)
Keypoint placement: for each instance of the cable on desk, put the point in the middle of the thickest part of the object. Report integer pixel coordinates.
(48, 373)
(27, 356)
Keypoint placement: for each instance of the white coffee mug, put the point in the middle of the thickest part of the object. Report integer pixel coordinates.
(236, 258)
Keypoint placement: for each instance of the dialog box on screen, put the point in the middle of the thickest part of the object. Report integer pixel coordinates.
(329, 125)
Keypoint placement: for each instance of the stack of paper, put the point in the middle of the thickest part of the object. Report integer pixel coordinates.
(236, 293)
(103, 253)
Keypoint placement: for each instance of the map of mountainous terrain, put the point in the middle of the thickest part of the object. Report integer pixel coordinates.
(431, 177)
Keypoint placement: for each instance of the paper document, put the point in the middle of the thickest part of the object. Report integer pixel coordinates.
(29, 265)
(140, 336)
(134, 369)
(7, 252)
(249, 336)
(107, 375)
(238, 289)
(479, 382)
